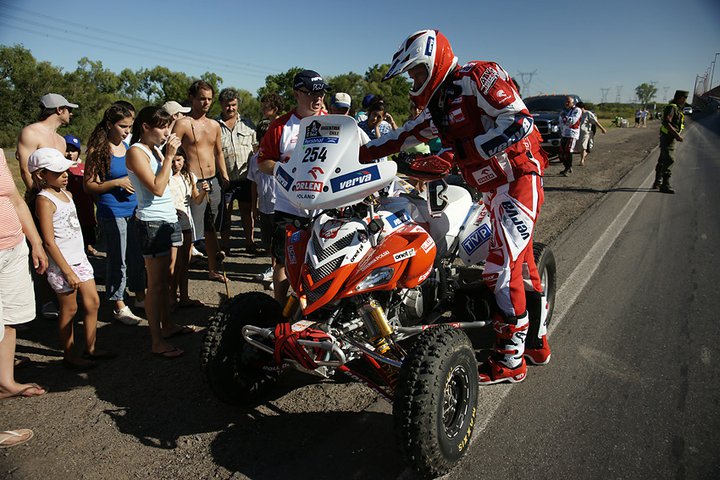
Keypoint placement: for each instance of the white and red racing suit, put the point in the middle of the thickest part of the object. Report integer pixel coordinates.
(489, 134)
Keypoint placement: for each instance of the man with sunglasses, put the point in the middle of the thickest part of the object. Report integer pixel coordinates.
(277, 145)
(55, 112)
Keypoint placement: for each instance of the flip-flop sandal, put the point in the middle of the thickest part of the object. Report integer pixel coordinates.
(10, 438)
(25, 392)
(183, 330)
(170, 354)
(190, 304)
(217, 277)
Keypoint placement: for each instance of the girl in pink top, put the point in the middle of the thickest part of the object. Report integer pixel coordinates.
(69, 270)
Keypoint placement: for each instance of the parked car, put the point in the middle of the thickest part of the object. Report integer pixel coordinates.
(687, 110)
(545, 110)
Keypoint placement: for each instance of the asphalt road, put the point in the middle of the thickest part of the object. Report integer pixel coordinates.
(632, 389)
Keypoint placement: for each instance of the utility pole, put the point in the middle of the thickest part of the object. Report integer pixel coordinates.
(665, 90)
(526, 83)
(618, 89)
(604, 94)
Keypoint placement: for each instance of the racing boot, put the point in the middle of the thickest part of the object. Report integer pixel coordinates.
(506, 364)
(537, 349)
(665, 187)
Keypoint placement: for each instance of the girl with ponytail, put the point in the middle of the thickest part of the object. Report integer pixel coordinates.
(106, 177)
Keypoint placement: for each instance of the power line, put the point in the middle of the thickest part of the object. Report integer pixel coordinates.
(142, 44)
(618, 89)
(526, 83)
(604, 94)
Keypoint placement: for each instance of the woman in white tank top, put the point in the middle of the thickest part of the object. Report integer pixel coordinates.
(159, 232)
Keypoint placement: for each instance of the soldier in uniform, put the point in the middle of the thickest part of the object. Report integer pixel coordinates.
(673, 122)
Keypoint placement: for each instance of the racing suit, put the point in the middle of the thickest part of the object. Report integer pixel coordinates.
(570, 120)
(489, 134)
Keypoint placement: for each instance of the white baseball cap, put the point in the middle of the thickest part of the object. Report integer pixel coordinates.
(49, 159)
(341, 100)
(53, 100)
(173, 108)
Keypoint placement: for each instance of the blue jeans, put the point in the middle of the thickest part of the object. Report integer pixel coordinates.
(124, 264)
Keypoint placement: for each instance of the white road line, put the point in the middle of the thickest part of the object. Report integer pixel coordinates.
(571, 288)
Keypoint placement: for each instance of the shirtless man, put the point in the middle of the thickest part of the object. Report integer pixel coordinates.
(55, 112)
(201, 139)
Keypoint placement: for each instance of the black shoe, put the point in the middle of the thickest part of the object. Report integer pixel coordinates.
(564, 173)
(656, 185)
(666, 189)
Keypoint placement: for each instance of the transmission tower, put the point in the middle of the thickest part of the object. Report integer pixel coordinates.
(526, 83)
(665, 90)
(618, 90)
(604, 94)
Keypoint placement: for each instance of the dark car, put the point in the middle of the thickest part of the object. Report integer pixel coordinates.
(545, 110)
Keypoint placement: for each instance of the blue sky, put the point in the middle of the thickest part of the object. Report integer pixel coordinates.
(574, 46)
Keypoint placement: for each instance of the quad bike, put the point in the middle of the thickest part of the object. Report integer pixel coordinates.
(378, 295)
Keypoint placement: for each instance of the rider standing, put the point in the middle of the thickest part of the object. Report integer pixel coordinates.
(487, 131)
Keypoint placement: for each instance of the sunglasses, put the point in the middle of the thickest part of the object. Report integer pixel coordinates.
(313, 94)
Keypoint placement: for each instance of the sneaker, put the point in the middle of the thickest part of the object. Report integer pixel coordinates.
(266, 276)
(49, 310)
(493, 371)
(538, 356)
(126, 316)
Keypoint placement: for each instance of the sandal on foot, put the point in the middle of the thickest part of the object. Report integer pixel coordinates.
(182, 330)
(217, 277)
(26, 392)
(169, 354)
(10, 438)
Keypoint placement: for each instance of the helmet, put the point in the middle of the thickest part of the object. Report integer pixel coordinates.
(431, 49)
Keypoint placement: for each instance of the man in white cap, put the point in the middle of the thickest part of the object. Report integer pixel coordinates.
(55, 112)
(340, 104)
(176, 110)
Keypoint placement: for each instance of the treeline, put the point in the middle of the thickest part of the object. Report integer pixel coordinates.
(23, 80)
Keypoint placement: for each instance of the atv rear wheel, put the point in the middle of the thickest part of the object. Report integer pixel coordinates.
(543, 305)
(237, 372)
(436, 400)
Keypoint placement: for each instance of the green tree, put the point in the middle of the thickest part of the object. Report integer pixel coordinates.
(282, 85)
(645, 93)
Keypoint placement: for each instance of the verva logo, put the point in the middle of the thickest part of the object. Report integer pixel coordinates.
(353, 179)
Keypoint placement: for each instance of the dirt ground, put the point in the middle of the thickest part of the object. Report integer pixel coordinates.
(140, 416)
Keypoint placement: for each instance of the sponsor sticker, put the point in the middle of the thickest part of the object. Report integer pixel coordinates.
(427, 244)
(410, 252)
(484, 175)
(330, 229)
(456, 116)
(307, 186)
(290, 251)
(295, 237)
(353, 179)
(284, 178)
(317, 133)
(396, 219)
(476, 239)
(511, 214)
(488, 79)
(430, 46)
(301, 325)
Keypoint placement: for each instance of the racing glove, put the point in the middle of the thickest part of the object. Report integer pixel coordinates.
(428, 167)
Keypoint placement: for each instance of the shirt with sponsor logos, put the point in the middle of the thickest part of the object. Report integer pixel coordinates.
(484, 126)
(278, 144)
(570, 122)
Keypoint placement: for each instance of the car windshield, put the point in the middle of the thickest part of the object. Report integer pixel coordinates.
(545, 104)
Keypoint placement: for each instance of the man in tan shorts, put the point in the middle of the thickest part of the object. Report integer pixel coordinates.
(55, 112)
(202, 142)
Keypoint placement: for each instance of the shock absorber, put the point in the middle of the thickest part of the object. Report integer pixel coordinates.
(380, 331)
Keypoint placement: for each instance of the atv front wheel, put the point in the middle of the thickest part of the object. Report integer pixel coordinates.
(436, 400)
(237, 372)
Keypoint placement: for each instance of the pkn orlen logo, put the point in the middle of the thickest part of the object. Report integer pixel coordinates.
(353, 179)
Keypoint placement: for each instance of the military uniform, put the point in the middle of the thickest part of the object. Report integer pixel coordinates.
(673, 116)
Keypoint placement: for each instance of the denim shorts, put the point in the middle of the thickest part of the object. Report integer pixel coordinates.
(157, 237)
